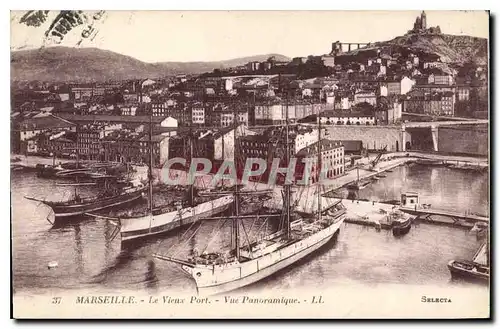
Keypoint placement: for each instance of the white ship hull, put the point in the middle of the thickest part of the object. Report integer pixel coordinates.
(216, 279)
(141, 227)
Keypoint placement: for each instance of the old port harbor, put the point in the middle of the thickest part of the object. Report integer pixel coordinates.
(398, 217)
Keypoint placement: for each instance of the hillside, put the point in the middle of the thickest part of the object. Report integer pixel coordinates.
(456, 49)
(93, 64)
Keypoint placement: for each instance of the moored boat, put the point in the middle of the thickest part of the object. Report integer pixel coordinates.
(251, 261)
(105, 200)
(401, 223)
(217, 273)
(476, 270)
(165, 218)
(467, 270)
(430, 162)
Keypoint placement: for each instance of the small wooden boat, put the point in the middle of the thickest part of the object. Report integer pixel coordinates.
(468, 167)
(52, 264)
(476, 270)
(469, 270)
(393, 202)
(77, 184)
(401, 223)
(430, 162)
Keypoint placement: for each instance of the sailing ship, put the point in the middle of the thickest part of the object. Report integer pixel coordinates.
(157, 220)
(477, 270)
(215, 273)
(113, 194)
(110, 197)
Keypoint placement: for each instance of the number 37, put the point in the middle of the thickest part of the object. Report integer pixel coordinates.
(56, 300)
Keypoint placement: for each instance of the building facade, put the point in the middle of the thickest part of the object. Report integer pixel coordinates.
(346, 118)
(332, 161)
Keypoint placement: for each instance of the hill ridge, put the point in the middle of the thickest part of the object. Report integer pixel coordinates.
(61, 63)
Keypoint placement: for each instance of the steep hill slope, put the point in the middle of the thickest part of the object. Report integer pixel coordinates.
(456, 49)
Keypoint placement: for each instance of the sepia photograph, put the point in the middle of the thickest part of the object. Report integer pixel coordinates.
(250, 164)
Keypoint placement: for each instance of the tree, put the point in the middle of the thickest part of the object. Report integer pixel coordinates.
(382, 103)
(365, 108)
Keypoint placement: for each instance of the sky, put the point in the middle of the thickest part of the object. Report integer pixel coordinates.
(157, 36)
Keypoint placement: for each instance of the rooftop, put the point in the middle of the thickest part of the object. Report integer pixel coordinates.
(112, 118)
(326, 145)
(46, 122)
(343, 114)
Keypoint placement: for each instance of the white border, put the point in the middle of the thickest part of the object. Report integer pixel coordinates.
(191, 5)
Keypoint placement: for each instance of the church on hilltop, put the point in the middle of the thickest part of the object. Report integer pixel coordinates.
(420, 26)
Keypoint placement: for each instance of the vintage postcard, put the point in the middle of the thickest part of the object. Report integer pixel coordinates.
(250, 164)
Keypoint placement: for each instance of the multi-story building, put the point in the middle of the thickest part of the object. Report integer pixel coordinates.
(253, 66)
(440, 79)
(198, 114)
(86, 92)
(216, 145)
(305, 109)
(89, 139)
(60, 144)
(162, 109)
(442, 104)
(271, 143)
(128, 110)
(34, 126)
(390, 115)
(273, 112)
(134, 147)
(463, 93)
(365, 96)
(332, 161)
(437, 103)
(179, 111)
(224, 116)
(330, 117)
(414, 102)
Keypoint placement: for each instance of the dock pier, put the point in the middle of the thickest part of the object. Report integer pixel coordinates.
(372, 213)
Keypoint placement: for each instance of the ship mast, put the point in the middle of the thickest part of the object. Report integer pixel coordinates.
(190, 140)
(77, 159)
(319, 167)
(287, 161)
(236, 222)
(150, 171)
(77, 148)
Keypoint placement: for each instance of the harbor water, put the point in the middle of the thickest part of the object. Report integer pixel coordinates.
(87, 259)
